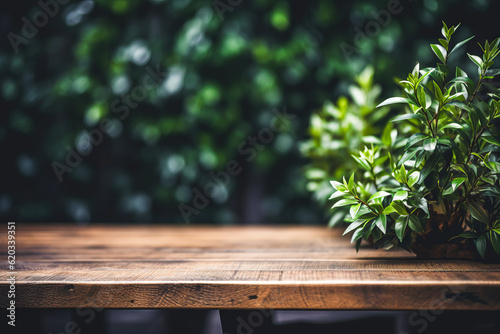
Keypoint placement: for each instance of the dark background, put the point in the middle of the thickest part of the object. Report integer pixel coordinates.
(224, 78)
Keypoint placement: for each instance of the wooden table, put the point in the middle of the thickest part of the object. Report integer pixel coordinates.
(200, 267)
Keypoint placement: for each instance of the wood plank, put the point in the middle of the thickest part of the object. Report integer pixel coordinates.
(347, 296)
(233, 268)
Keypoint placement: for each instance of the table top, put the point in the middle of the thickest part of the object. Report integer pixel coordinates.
(259, 267)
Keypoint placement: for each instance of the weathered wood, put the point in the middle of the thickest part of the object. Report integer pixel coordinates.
(233, 268)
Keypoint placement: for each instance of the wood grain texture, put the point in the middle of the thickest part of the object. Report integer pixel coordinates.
(232, 268)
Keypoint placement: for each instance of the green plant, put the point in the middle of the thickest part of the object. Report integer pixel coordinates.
(439, 182)
(339, 130)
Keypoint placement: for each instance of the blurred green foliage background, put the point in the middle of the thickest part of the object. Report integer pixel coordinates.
(224, 67)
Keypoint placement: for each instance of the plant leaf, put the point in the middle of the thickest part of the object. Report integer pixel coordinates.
(381, 222)
(460, 44)
(357, 235)
(415, 138)
(395, 100)
(379, 194)
(400, 195)
(491, 140)
(481, 245)
(452, 126)
(362, 162)
(408, 155)
(468, 235)
(338, 194)
(477, 212)
(350, 184)
(400, 227)
(430, 165)
(415, 224)
(399, 207)
(440, 52)
(344, 202)
(495, 241)
(354, 225)
(336, 184)
(476, 60)
(408, 116)
(457, 182)
(430, 144)
(413, 178)
(354, 210)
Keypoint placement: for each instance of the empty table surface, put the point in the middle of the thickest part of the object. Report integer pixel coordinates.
(258, 267)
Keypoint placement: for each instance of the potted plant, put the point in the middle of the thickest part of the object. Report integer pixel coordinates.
(432, 186)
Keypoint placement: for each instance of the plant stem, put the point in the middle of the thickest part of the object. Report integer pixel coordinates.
(367, 205)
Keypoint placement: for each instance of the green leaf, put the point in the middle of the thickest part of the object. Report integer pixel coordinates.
(428, 72)
(381, 222)
(352, 226)
(400, 227)
(362, 162)
(379, 194)
(400, 195)
(457, 182)
(354, 210)
(495, 241)
(422, 98)
(444, 43)
(408, 155)
(481, 245)
(430, 165)
(337, 194)
(439, 93)
(415, 224)
(477, 212)
(357, 235)
(358, 243)
(415, 138)
(386, 135)
(413, 178)
(395, 100)
(468, 235)
(452, 126)
(408, 116)
(493, 166)
(476, 60)
(455, 97)
(350, 184)
(445, 31)
(440, 52)
(430, 144)
(344, 202)
(460, 44)
(338, 186)
(491, 140)
(460, 73)
(492, 72)
(399, 207)
(402, 172)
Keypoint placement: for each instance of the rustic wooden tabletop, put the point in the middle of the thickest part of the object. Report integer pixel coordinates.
(61, 266)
